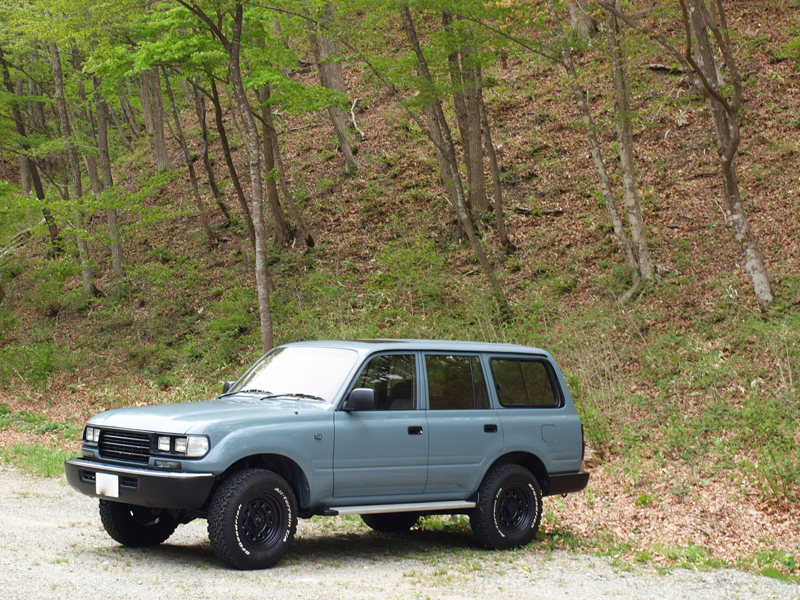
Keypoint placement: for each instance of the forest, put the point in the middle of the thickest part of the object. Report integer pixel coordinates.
(185, 184)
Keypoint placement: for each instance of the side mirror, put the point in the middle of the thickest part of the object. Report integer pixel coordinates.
(226, 387)
(360, 399)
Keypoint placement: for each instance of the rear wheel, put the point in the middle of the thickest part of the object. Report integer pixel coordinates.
(252, 519)
(136, 526)
(509, 508)
(391, 522)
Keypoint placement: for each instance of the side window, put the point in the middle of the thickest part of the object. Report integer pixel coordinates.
(523, 383)
(393, 378)
(455, 382)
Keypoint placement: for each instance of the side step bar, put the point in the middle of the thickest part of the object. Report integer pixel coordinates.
(373, 509)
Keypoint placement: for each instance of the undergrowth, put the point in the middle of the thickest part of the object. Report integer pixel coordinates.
(718, 395)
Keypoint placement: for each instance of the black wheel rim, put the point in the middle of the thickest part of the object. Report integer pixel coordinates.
(260, 522)
(513, 509)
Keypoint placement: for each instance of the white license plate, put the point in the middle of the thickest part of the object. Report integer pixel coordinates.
(106, 485)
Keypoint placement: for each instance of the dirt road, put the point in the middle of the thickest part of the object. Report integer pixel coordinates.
(53, 546)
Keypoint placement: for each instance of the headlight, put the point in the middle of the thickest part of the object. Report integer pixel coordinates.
(191, 446)
(196, 446)
(91, 434)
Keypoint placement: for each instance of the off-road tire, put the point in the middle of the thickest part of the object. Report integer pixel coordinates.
(509, 508)
(136, 526)
(391, 522)
(252, 519)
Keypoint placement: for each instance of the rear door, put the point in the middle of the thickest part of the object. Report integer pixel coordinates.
(466, 434)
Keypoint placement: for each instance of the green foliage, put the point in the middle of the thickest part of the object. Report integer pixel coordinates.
(778, 564)
(34, 363)
(228, 327)
(790, 49)
(14, 212)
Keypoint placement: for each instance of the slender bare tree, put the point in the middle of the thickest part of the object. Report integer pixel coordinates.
(622, 120)
(698, 58)
(75, 167)
(438, 122)
(331, 77)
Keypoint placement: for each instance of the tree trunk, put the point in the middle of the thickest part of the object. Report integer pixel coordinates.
(331, 77)
(159, 140)
(121, 131)
(475, 173)
(580, 20)
(231, 103)
(128, 114)
(282, 233)
(200, 108)
(52, 226)
(147, 109)
(497, 188)
(287, 194)
(104, 159)
(85, 125)
(594, 144)
(624, 128)
(24, 171)
(263, 281)
(448, 152)
(698, 59)
(226, 152)
(726, 125)
(75, 167)
(459, 101)
(212, 238)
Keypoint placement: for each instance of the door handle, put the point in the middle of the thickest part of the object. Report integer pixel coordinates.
(415, 430)
(490, 428)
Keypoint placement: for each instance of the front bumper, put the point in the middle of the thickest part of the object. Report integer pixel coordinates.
(566, 483)
(141, 487)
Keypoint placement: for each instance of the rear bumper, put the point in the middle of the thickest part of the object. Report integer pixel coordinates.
(566, 483)
(141, 487)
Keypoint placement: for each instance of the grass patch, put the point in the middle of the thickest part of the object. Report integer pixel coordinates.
(31, 422)
(36, 459)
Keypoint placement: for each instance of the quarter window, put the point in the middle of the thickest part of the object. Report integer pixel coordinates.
(393, 377)
(523, 383)
(455, 382)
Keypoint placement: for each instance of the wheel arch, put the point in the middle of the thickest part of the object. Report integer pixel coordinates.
(531, 462)
(283, 466)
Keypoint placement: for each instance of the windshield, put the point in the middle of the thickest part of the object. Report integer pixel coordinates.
(299, 370)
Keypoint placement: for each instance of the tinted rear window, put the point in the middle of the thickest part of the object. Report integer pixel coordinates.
(523, 383)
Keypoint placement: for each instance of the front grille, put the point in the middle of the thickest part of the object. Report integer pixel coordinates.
(125, 445)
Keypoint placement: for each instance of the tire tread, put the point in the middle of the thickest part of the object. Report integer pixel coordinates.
(482, 517)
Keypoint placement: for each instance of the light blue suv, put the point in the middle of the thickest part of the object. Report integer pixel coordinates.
(387, 429)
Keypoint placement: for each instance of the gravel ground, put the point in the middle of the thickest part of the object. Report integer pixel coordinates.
(53, 546)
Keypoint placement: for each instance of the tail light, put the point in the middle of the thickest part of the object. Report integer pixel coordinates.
(583, 442)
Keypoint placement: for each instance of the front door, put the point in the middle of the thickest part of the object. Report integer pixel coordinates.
(383, 452)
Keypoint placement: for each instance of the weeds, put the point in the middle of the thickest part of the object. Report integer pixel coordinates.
(36, 459)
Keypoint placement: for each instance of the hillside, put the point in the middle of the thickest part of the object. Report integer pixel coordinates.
(688, 392)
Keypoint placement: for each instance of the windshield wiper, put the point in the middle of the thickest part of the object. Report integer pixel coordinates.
(248, 391)
(302, 396)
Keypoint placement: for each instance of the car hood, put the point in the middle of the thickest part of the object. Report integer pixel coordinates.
(201, 417)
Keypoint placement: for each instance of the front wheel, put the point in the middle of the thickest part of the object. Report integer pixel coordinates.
(509, 508)
(136, 526)
(252, 519)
